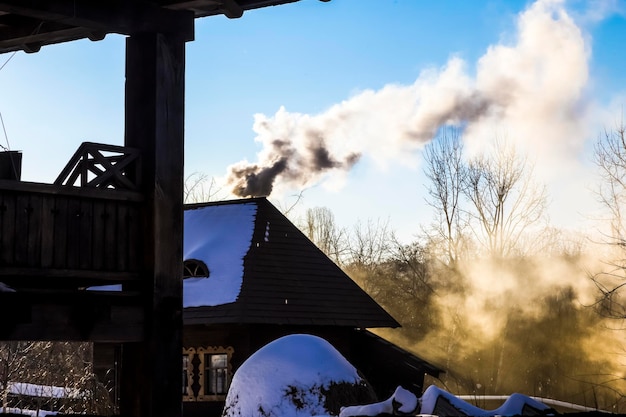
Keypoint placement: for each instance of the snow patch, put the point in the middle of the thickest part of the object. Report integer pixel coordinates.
(514, 405)
(402, 402)
(27, 412)
(220, 236)
(48, 391)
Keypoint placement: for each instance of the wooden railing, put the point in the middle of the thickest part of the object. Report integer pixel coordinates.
(102, 166)
(68, 236)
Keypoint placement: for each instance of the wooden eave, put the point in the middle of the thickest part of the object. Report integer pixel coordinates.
(229, 8)
(97, 316)
(30, 24)
(391, 355)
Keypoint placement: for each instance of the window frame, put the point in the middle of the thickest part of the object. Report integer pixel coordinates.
(188, 395)
(203, 394)
(196, 368)
(195, 268)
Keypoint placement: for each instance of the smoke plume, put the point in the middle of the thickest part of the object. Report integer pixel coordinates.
(532, 89)
(293, 163)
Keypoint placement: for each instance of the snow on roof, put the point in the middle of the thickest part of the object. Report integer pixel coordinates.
(220, 236)
(27, 412)
(402, 402)
(299, 362)
(513, 406)
(48, 391)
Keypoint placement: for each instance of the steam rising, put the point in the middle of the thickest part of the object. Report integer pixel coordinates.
(532, 89)
(522, 326)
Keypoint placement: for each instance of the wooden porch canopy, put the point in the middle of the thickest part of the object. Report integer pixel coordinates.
(30, 24)
(57, 238)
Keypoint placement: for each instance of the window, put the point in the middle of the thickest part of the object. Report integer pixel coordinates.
(185, 375)
(194, 268)
(188, 356)
(206, 373)
(216, 373)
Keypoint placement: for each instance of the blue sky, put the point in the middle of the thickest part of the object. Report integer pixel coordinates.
(310, 56)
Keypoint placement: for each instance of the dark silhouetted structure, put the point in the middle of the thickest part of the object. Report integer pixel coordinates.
(58, 239)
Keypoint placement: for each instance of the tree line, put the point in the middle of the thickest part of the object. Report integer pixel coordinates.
(489, 291)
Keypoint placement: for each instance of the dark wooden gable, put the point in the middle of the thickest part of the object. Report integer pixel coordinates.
(288, 280)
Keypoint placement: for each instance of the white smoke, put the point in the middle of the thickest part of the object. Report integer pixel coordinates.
(533, 90)
(540, 83)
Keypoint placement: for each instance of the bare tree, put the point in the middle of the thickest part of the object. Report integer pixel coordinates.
(492, 195)
(56, 376)
(12, 358)
(319, 226)
(445, 169)
(610, 157)
(505, 202)
(370, 243)
(199, 188)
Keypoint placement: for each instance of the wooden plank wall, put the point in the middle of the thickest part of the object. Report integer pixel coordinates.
(43, 229)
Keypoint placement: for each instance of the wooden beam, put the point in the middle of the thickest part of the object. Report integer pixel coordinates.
(50, 279)
(86, 315)
(155, 66)
(22, 32)
(111, 16)
(28, 34)
(63, 190)
(230, 8)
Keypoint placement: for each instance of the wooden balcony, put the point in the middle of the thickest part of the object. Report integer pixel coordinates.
(57, 241)
(67, 237)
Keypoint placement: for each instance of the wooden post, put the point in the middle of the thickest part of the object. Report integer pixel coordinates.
(151, 371)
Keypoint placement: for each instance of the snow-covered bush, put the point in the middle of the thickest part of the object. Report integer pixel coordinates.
(295, 376)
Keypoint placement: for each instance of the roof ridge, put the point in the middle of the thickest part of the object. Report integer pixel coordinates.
(191, 206)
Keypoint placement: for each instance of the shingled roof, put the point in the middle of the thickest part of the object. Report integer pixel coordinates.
(286, 279)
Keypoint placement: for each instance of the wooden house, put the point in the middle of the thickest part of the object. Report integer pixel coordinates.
(251, 276)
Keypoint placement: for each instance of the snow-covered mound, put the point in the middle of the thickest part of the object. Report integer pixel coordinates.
(295, 376)
(439, 402)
